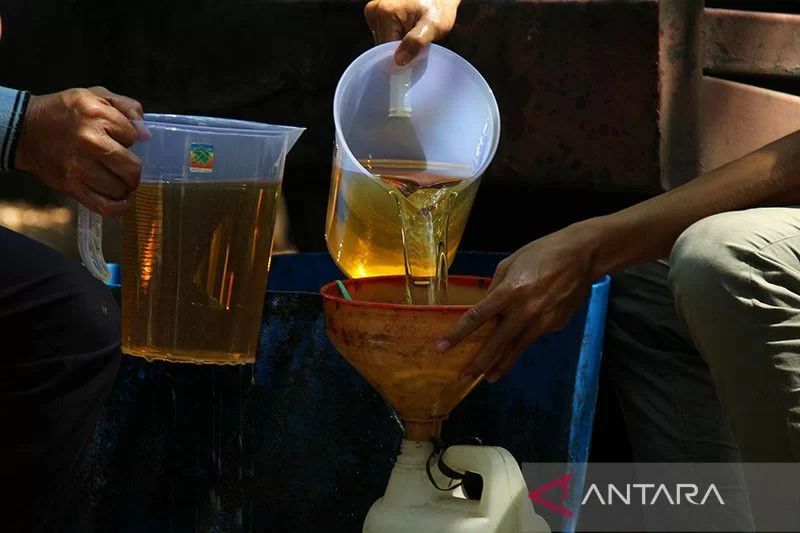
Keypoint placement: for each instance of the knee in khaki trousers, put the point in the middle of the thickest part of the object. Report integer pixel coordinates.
(703, 350)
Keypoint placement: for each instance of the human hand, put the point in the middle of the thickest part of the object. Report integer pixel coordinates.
(76, 142)
(534, 292)
(416, 22)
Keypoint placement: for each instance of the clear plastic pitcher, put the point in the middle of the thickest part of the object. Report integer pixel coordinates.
(411, 145)
(197, 239)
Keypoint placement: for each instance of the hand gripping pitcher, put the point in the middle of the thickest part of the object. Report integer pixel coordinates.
(411, 145)
(197, 239)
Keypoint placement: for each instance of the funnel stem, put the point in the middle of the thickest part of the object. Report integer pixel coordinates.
(423, 431)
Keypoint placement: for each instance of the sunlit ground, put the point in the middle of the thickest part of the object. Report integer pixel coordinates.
(52, 225)
(20, 217)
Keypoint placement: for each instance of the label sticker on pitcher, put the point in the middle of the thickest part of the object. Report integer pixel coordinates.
(201, 158)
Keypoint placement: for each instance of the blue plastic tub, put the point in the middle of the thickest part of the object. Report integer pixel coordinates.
(299, 441)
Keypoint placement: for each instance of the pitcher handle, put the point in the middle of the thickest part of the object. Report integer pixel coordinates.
(90, 243)
(90, 226)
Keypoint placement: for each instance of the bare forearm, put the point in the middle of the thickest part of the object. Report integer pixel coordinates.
(647, 231)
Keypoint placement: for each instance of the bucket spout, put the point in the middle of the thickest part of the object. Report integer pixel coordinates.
(292, 135)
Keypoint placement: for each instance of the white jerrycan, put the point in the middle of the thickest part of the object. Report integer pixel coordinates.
(412, 504)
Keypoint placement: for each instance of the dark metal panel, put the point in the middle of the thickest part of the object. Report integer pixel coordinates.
(578, 88)
(751, 43)
(680, 74)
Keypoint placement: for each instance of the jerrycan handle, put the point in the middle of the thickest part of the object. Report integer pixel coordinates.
(493, 465)
(90, 243)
